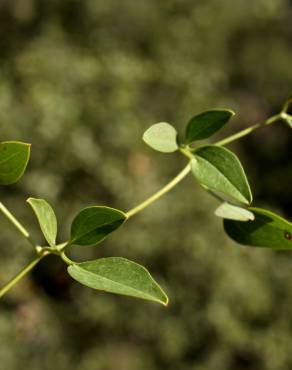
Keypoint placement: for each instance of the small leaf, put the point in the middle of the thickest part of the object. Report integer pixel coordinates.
(267, 230)
(232, 212)
(206, 124)
(120, 276)
(220, 170)
(93, 224)
(162, 137)
(14, 157)
(46, 217)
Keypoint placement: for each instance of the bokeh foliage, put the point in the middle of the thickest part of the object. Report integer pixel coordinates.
(81, 81)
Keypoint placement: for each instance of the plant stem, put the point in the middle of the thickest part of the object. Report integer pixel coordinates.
(21, 274)
(190, 156)
(161, 192)
(249, 130)
(286, 105)
(42, 252)
(16, 224)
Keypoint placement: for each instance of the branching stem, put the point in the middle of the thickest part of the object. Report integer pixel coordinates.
(21, 274)
(58, 250)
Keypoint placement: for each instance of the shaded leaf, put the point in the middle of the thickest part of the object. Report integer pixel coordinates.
(46, 218)
(120, 276)
(93, 224)
(232, 212)
(14, 157)
(267, 230)
(220, 170)
(162, 137)
(206, 124)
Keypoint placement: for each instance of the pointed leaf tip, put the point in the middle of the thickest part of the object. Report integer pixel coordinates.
(219, 170)
(93, 224)
(119, 276)
(206, 124)
(161, 137)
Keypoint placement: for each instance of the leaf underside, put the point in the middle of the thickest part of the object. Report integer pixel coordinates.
(161, 137)
(119, 276)
(46, 217)
(233, 212)
(219, 170)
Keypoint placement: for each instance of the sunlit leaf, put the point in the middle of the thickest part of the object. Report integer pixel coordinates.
(46, 217)
(232, 212)
(162, 137)
(120, 276)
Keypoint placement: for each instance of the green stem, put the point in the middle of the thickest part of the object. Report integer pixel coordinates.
(66, 259)
(287, 105)
(16, 224)
(42, 252)
(248, 130)
(161, 192)
(21, 274)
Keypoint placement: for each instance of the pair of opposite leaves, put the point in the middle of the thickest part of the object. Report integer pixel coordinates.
(220, 172)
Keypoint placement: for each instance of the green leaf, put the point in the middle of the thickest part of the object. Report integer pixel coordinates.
(14, 157)
(46, 217)
(232, 212)
(206, 124)
(219, 169)
(162, 137)
(93, 224)
(267, 230)
(120, 276)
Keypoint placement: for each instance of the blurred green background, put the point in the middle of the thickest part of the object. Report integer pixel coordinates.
(81, 81)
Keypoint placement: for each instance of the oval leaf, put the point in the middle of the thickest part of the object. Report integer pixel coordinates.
(93, 224)
(46, 218)
(220, 170)
(120, 276)
(162, 137)
(14, 157)
(232, 212)
(206, 124)
(267, 230)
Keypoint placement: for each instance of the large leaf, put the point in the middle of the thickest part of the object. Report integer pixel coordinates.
(93, 224)
(162, 137)
(267, 230)
(206, 124)
(14, 157)
(120, 276)
(233, 212)
(46, 217)
(220, 170)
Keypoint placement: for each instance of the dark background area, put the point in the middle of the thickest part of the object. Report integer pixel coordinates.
(81, 81)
